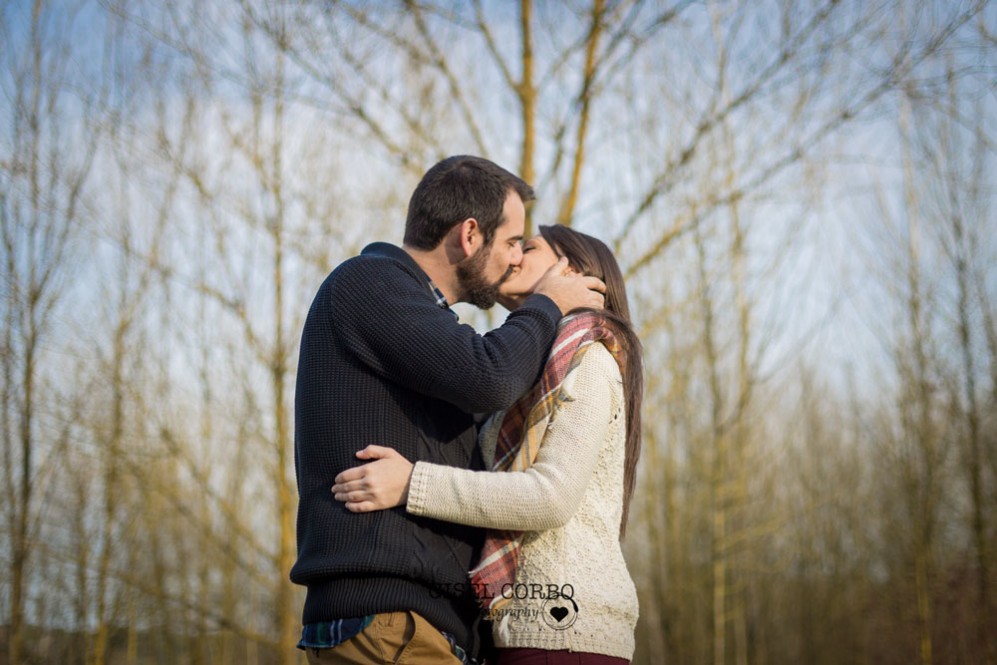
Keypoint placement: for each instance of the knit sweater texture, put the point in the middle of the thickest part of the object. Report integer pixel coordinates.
(571, 503)
(382, 363)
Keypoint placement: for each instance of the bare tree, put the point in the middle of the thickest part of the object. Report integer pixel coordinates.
(791, 512)
(42, 202)
(955, 152)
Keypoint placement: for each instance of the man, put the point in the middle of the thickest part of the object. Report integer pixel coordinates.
(384, 360)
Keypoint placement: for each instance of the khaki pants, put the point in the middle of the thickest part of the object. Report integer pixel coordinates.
(393, 638)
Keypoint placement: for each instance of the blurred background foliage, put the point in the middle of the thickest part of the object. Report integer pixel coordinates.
(801, 197)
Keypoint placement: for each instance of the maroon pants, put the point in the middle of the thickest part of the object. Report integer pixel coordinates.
(542, 657)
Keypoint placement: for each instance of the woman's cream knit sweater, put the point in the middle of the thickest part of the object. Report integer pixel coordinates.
(570, 503)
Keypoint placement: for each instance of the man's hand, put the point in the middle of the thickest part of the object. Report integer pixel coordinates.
(377, 485)
(570, 290)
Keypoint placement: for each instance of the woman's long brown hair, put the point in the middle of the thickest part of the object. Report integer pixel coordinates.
(591, 256)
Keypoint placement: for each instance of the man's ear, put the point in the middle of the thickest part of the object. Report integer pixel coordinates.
(470, 236)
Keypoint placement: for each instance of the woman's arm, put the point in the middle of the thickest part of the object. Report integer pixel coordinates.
(542, 497)
(547, 494)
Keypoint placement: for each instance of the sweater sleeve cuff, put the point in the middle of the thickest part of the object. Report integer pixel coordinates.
(545, 305)
(418, 487)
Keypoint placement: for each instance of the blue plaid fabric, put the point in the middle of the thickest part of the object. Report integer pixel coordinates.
(457, 651)
(328, 634)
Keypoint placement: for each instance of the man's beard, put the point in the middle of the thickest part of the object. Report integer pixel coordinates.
(474, 288)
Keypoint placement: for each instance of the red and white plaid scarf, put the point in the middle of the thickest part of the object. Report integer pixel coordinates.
(520, 435)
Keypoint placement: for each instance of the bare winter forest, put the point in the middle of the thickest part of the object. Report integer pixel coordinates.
(801, 194)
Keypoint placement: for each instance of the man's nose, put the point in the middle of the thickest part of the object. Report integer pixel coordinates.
(517, 254)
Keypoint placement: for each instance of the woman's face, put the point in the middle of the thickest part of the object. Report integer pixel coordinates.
(538, 257)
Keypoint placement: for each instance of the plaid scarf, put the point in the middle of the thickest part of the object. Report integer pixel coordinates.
(520, 435)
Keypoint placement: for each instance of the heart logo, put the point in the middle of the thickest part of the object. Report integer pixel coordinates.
(560, 612)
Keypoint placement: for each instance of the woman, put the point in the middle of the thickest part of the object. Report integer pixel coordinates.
(552, 574)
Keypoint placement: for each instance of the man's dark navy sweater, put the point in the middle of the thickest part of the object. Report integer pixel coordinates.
(381, 362)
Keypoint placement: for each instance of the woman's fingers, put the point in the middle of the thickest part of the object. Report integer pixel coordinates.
(353, 496)
(346, 481)
(375, 485)
(372, 452)
(351, 474)
(358, 497)
(360, 501)
(351, 486)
